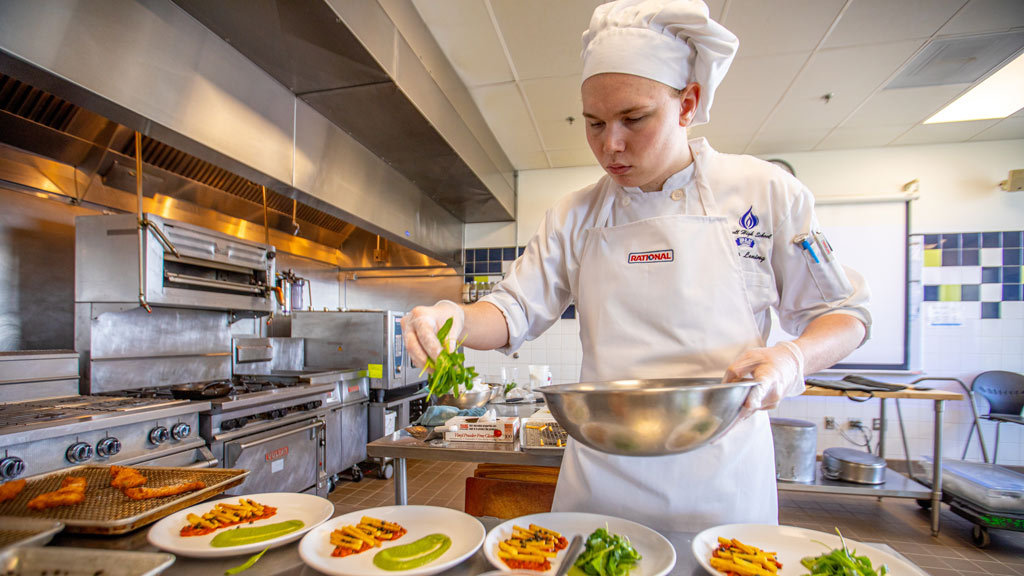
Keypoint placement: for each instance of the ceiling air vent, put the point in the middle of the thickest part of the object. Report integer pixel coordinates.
(959, 60)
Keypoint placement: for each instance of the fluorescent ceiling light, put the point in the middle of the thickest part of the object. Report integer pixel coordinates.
(998, 96)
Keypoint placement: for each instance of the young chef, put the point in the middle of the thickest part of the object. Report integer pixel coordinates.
(673, 260)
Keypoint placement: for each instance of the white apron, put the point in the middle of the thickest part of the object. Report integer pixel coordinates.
(679, 315)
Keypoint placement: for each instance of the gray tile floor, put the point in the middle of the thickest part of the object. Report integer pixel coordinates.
(897, 522)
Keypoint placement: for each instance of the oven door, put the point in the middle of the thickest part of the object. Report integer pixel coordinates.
(200, 457)
(285, 459)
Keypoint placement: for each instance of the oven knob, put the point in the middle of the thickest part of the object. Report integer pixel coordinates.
(78, 452)
(11, 467)
(108, 446)
(180, 431)
(159, 435)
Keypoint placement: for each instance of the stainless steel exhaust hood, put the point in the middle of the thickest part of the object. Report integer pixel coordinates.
(326, 103)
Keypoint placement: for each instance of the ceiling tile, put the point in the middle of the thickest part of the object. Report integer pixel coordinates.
(946, 132)
(552, 100)
(752, 89)
(849, 74)
(543, 36)
(861, 137)
(906, 106)
(794, 140)
(530, 160)
(1011, 128)
(980, 16)
(506, 115)
(780, 26)
(464, 31)
(564, 158)
(873, 21)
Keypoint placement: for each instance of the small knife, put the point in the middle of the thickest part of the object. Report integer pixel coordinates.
(570, 555)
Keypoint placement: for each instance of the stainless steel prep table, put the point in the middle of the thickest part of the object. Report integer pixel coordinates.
(402, 445)
(286, 559)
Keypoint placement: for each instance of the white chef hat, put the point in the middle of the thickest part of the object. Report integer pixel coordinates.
(674, 42)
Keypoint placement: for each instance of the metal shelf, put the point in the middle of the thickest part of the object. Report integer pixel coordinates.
(896, 486)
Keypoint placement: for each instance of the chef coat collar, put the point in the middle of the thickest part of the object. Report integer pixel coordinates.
(678, 181)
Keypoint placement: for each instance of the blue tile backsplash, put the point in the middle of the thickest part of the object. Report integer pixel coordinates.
(981, 267)
(487, 262)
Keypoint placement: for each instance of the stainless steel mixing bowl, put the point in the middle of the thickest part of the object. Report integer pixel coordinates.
(647, 417)
(477, 397)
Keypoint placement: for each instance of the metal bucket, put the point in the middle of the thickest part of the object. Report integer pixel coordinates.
(796, 445)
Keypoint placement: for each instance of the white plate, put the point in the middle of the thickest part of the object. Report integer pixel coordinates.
(312, 510)
(466, 532)
(792, 544)
(657, 554)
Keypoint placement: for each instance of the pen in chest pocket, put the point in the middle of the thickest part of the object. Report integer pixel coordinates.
(802, 241)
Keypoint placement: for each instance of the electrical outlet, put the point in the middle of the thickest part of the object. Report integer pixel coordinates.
(854, 423)
(876, 423)
(830, 423)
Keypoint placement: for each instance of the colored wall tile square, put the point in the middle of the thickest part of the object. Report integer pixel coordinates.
(1013, 239)
(951, 257)
(494, 254)
(990, 309)
(931, 241)
(508, 253)
(970, 292)
(1013, 256)
(470, 268)
(521, 250)
(992, 275)
(1011, 292)
(569, 313)
(470, 255)
(972, 240)
(481, 255)
(970, 257)
(934, 258)
(493, 268)
(949, 293)
(931, 294)
(1011, 274)
(991, 239)
(991, 292)
(991, 256)
(950, 241)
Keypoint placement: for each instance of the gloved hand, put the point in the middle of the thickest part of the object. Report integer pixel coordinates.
(780, 370)
(420, 327)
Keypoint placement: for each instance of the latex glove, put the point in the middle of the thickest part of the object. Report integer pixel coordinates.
(420, 327)
(780, 370)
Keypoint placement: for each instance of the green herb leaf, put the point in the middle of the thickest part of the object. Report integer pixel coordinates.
(450, 372)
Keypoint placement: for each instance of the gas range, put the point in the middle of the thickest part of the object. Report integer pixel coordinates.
(42, 435)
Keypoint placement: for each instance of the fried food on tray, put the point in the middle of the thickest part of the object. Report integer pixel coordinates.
(125, 477)
(530, 548)
(738, 559)
(224, 514)
(143, 493)
(369, 533)
(10, 490)
(71, 492)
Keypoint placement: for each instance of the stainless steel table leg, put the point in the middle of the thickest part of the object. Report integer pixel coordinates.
(401, 493)
(937, 467)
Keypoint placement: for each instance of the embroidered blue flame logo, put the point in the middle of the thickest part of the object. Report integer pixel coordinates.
(748, 220)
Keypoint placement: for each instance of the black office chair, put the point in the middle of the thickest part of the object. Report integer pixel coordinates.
(1005, 394)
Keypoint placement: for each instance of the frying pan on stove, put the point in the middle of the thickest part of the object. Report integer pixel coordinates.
(201, 390)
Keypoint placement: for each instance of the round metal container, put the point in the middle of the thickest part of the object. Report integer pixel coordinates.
(852, 465)
(796, 445)
(475, 398)
(647, 417)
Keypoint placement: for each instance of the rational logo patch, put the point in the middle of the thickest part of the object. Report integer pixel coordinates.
(655, 256)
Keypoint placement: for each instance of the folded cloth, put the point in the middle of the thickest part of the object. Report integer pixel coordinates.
(438, 415)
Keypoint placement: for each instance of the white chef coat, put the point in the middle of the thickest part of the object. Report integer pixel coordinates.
(550, 271)
(767, 208)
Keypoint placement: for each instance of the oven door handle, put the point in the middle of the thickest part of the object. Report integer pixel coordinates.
(246, 445)
(208, 461)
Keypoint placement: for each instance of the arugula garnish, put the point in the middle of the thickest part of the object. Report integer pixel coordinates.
(842, 562)
(450, 371)
(607, 554)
